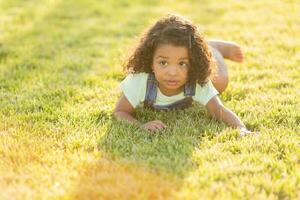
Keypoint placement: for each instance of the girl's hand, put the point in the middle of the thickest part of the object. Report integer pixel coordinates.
(154, 126)
(245, 132)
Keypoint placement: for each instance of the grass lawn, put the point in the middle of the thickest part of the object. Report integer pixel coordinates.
(60, 68)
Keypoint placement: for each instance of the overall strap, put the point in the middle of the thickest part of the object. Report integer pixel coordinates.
(151, 91)
(190, 89)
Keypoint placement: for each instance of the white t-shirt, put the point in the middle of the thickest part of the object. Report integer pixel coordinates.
(134, 88)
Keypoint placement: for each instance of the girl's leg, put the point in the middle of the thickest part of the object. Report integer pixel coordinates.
(220, 50)
(220, 77)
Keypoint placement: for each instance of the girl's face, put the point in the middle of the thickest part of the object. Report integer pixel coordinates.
(170, 66)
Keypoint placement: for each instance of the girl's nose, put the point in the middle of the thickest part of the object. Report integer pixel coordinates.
(172, 71)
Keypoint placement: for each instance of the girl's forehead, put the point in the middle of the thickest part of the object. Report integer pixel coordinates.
(171, 51)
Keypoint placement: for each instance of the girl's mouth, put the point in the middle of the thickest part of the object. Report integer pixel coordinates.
(172, 82)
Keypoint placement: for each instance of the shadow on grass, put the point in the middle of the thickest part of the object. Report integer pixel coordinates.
(168, 150)
(156, 163)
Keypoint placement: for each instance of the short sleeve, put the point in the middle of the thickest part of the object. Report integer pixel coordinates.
(134, 88)
(205, 93)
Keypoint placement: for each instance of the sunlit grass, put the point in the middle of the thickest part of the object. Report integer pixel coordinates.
(60, 66)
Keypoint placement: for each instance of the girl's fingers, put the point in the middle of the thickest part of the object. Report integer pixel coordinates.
(151, 127)
(154, 126)
(158, 126)
(245, 132)
(160, 123)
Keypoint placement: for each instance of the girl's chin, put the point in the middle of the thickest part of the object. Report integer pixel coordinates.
(171, 85)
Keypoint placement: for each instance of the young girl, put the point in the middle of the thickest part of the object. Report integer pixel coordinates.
(172, 67)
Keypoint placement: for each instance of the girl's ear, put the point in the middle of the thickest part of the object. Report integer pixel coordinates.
(152, 68)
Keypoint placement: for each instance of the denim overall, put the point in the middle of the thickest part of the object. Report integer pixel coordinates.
(151, 93)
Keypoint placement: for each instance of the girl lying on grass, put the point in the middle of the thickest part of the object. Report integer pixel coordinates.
(173, 66)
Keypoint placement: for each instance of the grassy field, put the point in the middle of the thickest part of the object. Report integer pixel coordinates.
(60, 67)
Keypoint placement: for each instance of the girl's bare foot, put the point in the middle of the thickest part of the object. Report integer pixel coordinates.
(229, 50)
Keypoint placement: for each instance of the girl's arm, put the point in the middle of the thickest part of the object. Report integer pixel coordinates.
(220, 112)
(124, 111)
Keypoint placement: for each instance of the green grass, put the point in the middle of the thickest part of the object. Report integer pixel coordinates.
(60, 67)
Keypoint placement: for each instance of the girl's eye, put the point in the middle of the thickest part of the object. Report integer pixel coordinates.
(184, 64)
(163, 63)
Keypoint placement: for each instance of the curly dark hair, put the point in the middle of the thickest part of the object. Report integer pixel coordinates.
(178, 31)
